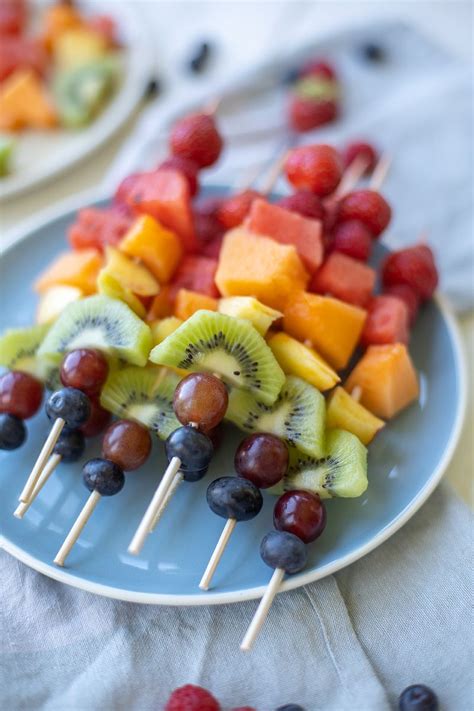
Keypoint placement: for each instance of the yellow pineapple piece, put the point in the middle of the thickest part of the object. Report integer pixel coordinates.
(54, 301)
(163, 328)
(108, 285)
(259, 315)
(135, 277)
(297, 359)
(345, 413)
(78, 46)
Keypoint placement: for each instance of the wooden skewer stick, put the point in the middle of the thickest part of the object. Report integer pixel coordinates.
(211, 107)
(351, 176)
(217, 554)
(169, 495)
(154, 506)
(262, 610)
(356, 393)
(380, 172)
(274, 174)
(44, 455)
(51, 465)
(77, 527)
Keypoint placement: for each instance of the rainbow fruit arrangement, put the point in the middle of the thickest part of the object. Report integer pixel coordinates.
(174, 313)
(62, 75)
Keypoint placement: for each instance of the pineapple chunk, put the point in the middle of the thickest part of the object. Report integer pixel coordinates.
(78, 46)
(163, 328)
(259, 315)
(135, 277)
(297, 359)
(345, 413)
(108, 285)
(55, 300)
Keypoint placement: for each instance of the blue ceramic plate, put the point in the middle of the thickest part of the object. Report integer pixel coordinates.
(406, 462)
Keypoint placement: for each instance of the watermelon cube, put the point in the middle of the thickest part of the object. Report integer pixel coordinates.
(345, 278)
(195, 274)
(163, 194)
(95, 228)
(288, 227)
(387, 322)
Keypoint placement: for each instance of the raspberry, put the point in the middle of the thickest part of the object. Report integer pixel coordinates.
(185, 166)
(414, 266)
(192, 698)
(235, 209)
(408, 296)
(356, 149)
(196, 138)
(314, 168)
(306, 114)
(304, 203)
(318, 68)
(367, 206)
(352, 238)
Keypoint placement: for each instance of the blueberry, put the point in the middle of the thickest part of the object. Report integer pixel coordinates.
(103, 476)
(12, 432)
(70, 445)
(418, 698)
(290, 707)
(199, 58)
(373, 52)
(193, 448)
(72, 405)
(280, 549)
(233, 497)
(153, 88)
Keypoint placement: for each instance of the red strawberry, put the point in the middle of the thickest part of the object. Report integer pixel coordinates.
(318, 68)
(317, 168)
(367, 206)
(306, 114)
(187, 168)
(192, 698)
(304, 203)
(359, 148)
(235, 208)
(352, 238)
(408, 296)
(196, 138)
(414, 266)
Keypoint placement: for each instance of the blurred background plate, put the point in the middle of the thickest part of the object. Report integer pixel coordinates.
(406, 462)
(40, 156)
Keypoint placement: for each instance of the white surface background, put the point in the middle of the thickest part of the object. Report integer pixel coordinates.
(242, 33)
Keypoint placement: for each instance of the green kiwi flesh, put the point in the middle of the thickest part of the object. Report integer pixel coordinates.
(298, 416)
(144, 395)
(221, 344)
(342, 472)
(19, 351)
(103, 323)
(81, 92)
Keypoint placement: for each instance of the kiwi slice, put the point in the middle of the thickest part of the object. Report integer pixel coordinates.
(225, 345)
(103, 323)
(341, 472)
(298, 415)
(144, 395)
(19, 351)
(81, 92)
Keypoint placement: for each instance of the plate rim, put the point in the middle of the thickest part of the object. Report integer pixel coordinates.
(59, 210)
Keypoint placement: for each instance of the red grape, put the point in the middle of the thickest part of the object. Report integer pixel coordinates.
(85, 369)
(20, 394)
(364, 150)
(196, 138)
(262, 458)
(201, 399)
(367, 206)
(235, 208)
(98, 419)
(301, 513)
(127, 444)
(352, 238)
(304, 203)
(315, 168)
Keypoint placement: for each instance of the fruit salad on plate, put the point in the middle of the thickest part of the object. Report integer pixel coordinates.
(58, 69)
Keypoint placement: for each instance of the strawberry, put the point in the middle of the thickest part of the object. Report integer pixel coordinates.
(305, 114)
(318, 68)
(317, 168)
(196, 138)
(192, 698)
(304, 203)
(367, 206)
(352, 238)
(415, 267)
(235, 208)
(185, 166)
(358, 148)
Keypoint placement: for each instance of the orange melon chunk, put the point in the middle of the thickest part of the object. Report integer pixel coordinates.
(158, 248)
(24, 102)
(250, 265)
(387, 379)
(161, 306)
(188, 302)
(331, 326)
(79, 269)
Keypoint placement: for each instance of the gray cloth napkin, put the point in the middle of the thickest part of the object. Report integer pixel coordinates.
(416, 106)
(350, 642)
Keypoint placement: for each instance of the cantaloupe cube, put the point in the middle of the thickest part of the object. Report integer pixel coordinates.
(331, 326)
(387, 379)
(158, 248)
(24, 103)
(297, 359)
(58, 19)
(250, 265)
(343, 412)
(161, 306)
(79, 269)
(188, 302)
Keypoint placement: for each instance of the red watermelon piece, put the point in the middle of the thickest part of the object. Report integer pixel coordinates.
(387, 322)
(95, 228)
(289, 227)
(195, 273)
(345, 278)
(163, 194)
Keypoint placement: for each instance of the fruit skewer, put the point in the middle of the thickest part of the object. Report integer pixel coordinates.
(20, 398)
